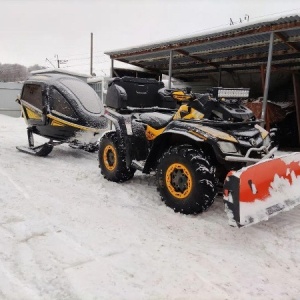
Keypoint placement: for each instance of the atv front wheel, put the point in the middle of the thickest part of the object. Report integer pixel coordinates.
(186, 181)
(112, 159)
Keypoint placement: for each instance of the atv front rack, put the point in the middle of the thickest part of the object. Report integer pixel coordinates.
(248, 159)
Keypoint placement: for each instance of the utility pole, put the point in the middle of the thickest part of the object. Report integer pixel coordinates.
(60, 61)
(91, 71)
(57, 60)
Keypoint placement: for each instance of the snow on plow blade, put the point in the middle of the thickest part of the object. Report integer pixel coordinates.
(255, 193)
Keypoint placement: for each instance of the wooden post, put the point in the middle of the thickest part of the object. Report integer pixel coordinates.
(268, 74)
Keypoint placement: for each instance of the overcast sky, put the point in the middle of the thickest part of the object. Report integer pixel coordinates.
(32, 31)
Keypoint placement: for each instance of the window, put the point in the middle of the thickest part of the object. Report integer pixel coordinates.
(32, 93)
(60, 104)
(85, 94)
(97, 86)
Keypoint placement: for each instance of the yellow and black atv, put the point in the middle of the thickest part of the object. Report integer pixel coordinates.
(63, 109)
(195, 142)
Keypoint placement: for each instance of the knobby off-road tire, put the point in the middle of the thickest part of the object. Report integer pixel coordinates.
(185, 180)
(112, 159)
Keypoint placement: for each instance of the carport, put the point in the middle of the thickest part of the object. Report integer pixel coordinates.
(259, 50)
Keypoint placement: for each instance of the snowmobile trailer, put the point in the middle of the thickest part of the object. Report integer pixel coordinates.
(196, 143)
(63, 109)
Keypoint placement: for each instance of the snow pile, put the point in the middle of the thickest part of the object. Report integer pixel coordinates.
(67, 233)
(283, 197)
(284, 193)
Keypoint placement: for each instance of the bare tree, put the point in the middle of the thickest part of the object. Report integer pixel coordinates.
(16, 72)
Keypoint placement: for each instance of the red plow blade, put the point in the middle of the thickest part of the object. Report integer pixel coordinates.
(255, 193)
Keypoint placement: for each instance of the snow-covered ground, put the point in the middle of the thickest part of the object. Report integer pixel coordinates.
(67, 233)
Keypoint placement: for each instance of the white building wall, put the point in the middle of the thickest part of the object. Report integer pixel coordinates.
(9, 92)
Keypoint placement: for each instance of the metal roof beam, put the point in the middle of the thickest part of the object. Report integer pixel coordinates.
(243, 70)
(233, 59)
(194, 57)
(242, 66)
(281, 54)
(274, 62)
(285, 40)
(235, 47)
(154, 70)
(277, 40)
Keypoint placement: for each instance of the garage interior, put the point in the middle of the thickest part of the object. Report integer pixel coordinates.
(262, 56)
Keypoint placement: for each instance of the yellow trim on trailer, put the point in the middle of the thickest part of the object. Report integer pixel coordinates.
(32, 115)
(56, 123)
(72, 124)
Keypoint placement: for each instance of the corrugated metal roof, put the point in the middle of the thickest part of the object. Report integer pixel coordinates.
(232, 49)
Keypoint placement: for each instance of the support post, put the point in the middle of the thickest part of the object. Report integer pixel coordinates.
(57, 60)
(112, 68)
(170, 68)
(220, 77)
(267, 81)
(296, 83)
(262, 75)
(91, 67)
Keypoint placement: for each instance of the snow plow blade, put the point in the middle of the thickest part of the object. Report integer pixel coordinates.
(255, 193)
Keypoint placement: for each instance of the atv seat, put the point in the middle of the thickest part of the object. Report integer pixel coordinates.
(155, 119)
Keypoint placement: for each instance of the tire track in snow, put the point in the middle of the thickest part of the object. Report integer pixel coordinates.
(140, 192)
(27, 233)
(14, 183)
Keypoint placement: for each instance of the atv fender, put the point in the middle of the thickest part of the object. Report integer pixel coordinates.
(163, 142)
(122, 124)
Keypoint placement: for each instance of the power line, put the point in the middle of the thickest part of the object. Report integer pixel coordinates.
(84, 58)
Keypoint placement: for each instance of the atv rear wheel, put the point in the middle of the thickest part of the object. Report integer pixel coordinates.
(112, 159)
(186, 181)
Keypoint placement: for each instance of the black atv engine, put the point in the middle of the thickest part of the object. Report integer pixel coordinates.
(224, 105)
(232, 112)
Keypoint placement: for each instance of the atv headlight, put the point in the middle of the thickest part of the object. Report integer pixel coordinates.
(227, 147)
(219, 92)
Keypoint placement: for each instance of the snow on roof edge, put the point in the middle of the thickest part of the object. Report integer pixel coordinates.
(58, 70)
(206, 32)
